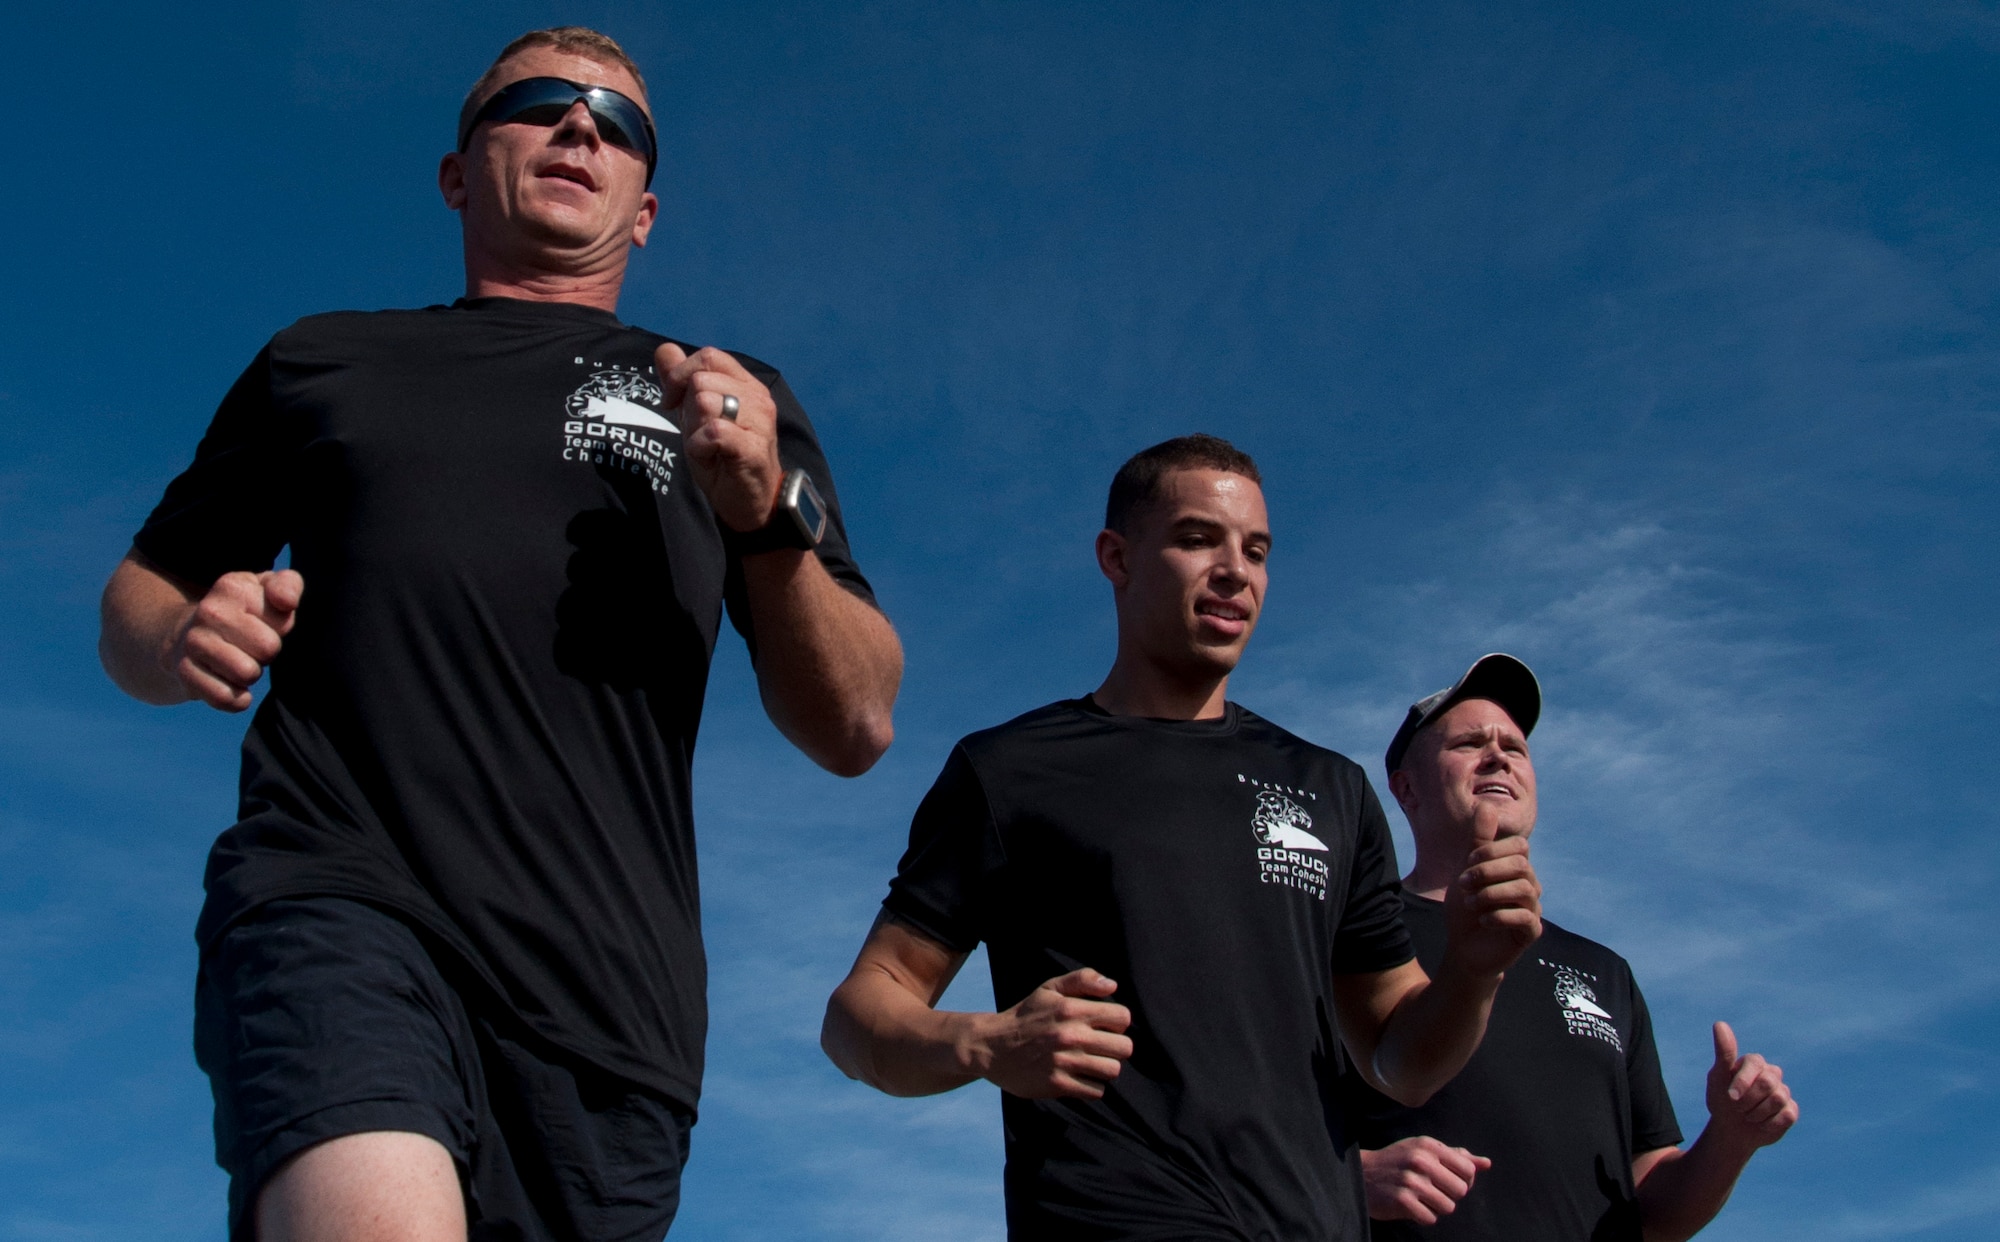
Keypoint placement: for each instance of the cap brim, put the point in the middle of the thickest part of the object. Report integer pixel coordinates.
(1496, 676)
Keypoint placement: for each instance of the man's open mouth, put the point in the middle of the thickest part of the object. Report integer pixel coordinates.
(564, 172)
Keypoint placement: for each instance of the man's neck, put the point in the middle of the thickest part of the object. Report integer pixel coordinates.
(1427, 883)
(1133, 688)
(580, 279)
(1440, 859)
(599, 290)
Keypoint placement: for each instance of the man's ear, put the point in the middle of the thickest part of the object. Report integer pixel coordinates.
(1111, 558)
(1404, 790)
(649, 211)
(451, 180)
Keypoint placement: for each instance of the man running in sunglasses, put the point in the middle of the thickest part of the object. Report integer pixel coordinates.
(452, 980)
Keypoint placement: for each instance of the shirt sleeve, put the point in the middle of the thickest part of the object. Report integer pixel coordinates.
(798, 448)
(945, 881)
(1371, 936)
(228, 510)
(1653, 1122)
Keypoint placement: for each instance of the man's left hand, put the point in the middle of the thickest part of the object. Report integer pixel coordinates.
(1748, 1100)
(1494, 909)
(734, 461)
(1418, 1179)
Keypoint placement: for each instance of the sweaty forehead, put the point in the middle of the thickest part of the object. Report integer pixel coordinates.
(1217, 493)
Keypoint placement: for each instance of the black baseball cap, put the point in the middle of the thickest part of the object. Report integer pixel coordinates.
(1499, 677)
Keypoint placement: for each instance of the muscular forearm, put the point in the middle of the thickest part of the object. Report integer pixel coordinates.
(1430, 1036)
(142, 613)
(1683, 1190)
(880, 1034)
(828, 663)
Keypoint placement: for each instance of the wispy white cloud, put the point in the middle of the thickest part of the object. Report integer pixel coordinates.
(1972, 1199)
(1705, 809)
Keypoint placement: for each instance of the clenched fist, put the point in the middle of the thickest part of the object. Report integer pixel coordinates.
(734, 460)
(1418, 1179)
(233, 634)
(1063, 1039)
(1493, 911)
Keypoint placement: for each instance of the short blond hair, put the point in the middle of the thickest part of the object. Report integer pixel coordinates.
(575, 40)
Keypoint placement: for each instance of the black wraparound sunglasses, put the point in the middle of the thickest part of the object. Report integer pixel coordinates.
(545, 101)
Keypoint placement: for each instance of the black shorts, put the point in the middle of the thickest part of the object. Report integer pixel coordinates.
(320, 1017)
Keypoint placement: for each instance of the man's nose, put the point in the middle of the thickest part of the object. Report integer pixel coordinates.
(1232, 565)
(580, 122)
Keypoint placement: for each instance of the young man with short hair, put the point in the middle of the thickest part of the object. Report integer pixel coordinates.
(452, 980)
(1191, 916)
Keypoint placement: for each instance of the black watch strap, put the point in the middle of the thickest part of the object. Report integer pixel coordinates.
(798, 521)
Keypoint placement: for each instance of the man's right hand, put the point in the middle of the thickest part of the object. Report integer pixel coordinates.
(1493, 912)
(734, 460)
(1064, 1040)
(232, 634)
(1418, 1179)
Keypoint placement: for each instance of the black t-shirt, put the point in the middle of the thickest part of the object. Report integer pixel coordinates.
(1222, 872)
(486, 716)
(1562, 1093)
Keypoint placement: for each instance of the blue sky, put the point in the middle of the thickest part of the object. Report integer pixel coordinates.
(1659, 347)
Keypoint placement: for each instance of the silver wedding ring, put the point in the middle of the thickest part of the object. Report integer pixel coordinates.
(729, 407)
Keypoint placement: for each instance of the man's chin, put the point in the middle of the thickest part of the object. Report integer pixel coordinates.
(1511, 823)
(558, 221)
(1218, 659)
(558, 231)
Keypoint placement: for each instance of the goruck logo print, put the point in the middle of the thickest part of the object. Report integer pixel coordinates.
(1281, 821)
(614, 420)
(1286, 848)
(1581, 1012)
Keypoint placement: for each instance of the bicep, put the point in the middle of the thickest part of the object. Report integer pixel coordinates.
(1644, 1163)
(1363, 1003)
(899, 954)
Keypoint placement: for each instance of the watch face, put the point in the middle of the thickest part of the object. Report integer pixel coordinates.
(812, 510)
